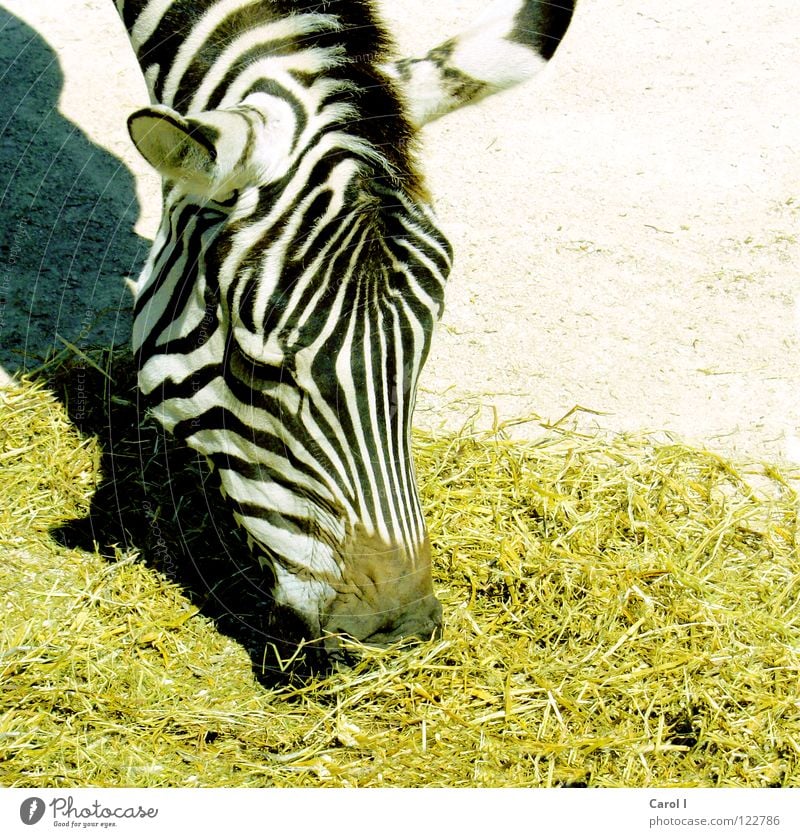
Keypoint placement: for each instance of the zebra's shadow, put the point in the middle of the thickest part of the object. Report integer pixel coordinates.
(66, 245)
(158, 499)
(68, 208)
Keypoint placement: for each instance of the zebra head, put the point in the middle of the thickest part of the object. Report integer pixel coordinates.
(289, 300)
(281, 326)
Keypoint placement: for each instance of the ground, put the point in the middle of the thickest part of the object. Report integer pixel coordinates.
(625, 225)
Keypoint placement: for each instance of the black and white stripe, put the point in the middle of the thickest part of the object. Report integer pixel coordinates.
(288, 303)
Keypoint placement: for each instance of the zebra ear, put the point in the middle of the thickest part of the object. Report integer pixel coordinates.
(179, 149)
(511, 42)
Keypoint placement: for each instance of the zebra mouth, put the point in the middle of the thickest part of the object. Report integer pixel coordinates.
(421, 628)
(419, 623)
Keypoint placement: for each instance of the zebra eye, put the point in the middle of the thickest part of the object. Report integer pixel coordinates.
(258, 373)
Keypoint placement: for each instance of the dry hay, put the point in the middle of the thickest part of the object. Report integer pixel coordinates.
(618, 613)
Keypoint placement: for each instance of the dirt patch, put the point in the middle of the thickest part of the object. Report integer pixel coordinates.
(625, 226)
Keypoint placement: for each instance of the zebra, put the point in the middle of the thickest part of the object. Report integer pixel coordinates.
(287, 304)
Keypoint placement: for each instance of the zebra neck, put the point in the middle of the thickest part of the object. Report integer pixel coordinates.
(201, 55)
(196, 54)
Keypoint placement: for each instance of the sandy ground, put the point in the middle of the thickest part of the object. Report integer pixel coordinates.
(626, 226)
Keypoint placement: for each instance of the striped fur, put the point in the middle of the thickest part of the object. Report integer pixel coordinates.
(287, 306)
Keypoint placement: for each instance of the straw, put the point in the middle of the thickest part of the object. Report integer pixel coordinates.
(619, 611)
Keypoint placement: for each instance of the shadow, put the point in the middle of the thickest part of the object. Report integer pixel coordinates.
(66, 246)
(158, 498)
(67, 207)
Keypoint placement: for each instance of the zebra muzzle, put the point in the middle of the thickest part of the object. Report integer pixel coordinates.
(386, 595)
